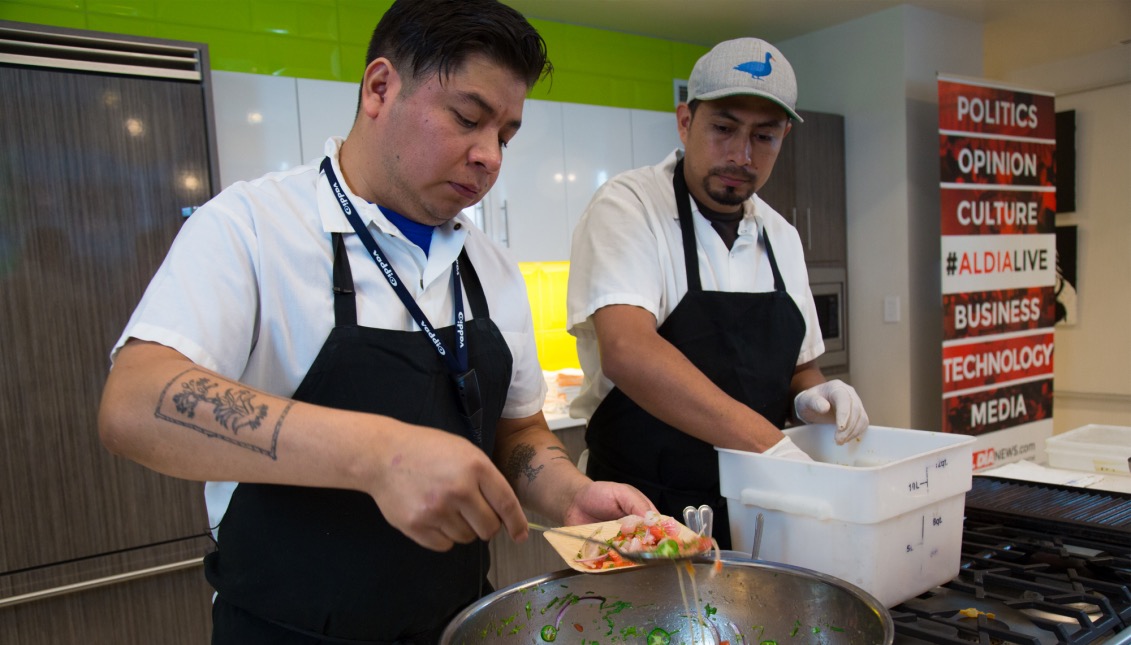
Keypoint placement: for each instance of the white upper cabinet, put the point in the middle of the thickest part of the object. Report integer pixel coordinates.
(525, 211)
(269, 123)
(597, 146)
(654, 136)
(551, 169)
(326, 109)
(561, 156)
(256, 118)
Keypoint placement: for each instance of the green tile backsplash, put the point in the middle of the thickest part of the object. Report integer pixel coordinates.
(326, 39)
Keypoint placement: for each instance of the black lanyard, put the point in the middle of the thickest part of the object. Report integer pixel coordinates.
(467, 383)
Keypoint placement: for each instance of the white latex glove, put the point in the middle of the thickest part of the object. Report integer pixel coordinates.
(833, 402)
(786, 449)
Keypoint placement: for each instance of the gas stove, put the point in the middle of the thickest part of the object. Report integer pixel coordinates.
(1041, 563)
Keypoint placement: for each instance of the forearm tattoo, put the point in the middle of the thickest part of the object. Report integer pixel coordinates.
(219, 410)
(519, 463)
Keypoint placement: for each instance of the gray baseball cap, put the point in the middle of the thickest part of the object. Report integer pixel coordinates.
(745, 66)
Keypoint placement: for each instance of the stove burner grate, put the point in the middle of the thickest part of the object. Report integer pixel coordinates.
(1052, 508)
(1030, 580)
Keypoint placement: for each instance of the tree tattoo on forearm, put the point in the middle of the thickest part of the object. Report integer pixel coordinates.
(221, 410)
(519, 463)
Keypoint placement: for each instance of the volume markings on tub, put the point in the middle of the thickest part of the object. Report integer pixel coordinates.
(925, 485)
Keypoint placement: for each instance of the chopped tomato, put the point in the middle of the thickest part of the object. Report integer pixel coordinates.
(661, 537)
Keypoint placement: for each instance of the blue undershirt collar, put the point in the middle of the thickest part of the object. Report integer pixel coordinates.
(417, 233)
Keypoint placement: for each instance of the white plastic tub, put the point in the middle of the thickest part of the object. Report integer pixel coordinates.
(1094, 448)
(883, 513)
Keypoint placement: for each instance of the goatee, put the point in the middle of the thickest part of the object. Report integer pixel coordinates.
(729, 195)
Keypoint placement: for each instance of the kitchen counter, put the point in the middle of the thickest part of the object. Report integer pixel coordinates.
(1030, 471)
(562, 421)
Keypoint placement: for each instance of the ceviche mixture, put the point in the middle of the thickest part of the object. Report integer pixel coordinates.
(657, 533)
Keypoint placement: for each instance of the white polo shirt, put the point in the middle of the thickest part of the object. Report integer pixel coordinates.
(628, 250)
(246, 288)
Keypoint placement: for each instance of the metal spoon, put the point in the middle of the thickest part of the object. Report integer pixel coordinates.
(757, 537)
(639, 557)
(699, 519)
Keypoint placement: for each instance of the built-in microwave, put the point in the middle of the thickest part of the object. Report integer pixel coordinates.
(829, 287)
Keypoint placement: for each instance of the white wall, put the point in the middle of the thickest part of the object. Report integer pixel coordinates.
(933, 44)
(1093, 357)
(879, 72)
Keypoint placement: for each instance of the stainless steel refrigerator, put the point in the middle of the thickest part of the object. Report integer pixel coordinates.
(107, 146)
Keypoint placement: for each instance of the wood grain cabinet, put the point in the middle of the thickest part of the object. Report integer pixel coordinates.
(808, 187)
(168, 604)
(99, 171)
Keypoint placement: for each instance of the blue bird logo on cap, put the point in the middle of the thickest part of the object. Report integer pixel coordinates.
(757, 69)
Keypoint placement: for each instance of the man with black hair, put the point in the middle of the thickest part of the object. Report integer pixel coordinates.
(350, 364)
(690, 299)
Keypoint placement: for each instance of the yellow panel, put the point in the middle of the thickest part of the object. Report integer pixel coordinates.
(546, 285)
(554, 284)
(530, 273)
(558, 350)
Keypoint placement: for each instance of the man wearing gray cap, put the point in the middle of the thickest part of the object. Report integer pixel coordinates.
(690, 300)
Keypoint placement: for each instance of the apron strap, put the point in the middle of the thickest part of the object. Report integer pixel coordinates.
(472, 287)
(779, 283)
(687, 228)
(345, 302)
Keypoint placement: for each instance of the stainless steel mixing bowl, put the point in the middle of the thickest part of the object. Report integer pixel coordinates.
(747, 603)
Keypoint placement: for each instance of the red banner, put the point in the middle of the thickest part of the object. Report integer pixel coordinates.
(975, 365)
(984, 313)
(997, 177)
(1000, 408)
(1006, 212)
(971, 106)
(999, 162)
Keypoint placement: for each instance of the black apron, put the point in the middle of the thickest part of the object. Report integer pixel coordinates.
(311, 565)
(746, 343)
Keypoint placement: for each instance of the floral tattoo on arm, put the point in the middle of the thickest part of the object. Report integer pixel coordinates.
(222, 410)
